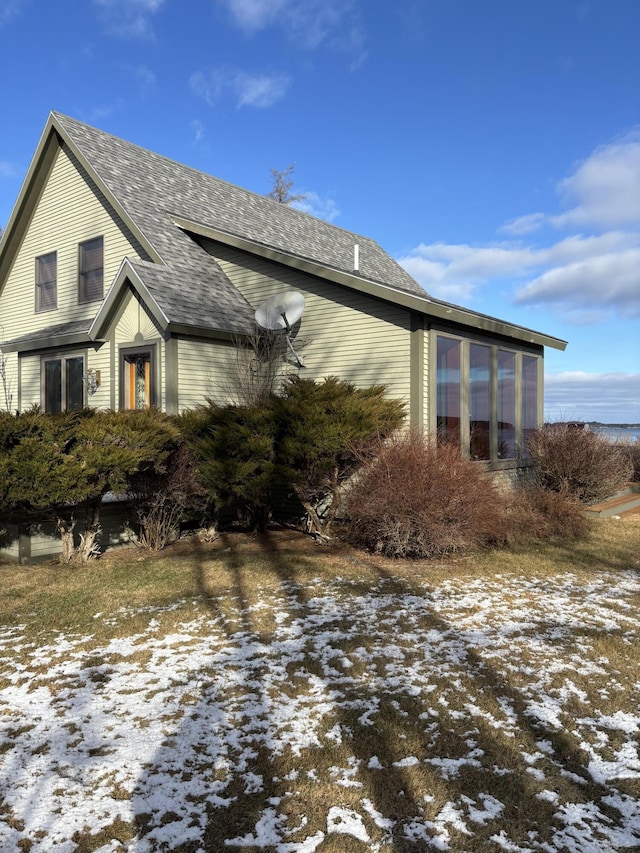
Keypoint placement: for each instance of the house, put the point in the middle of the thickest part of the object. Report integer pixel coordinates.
(127, 279)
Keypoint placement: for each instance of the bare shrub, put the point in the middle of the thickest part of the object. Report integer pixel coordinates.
(418, 499)
(578, 462)
(535, 513)
(163, 498)
(632, 450)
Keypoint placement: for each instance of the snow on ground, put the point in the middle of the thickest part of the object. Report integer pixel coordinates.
(168, 732)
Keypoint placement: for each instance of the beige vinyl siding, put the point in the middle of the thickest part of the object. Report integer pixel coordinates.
(347, 334)
(30, 381)
(205, 370)
(45, 542)
(69, 211)
(100, 360)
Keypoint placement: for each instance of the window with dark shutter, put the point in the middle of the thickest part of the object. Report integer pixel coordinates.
(91, 270)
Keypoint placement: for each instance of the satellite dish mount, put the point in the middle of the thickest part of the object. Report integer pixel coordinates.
(279, 313)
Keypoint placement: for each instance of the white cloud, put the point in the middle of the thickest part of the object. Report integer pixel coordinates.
(605, 397)
(254, 90)
(129, 18)
(524, 224)
(322, 207)
(606, 187)
(575, 273)
(254, 15)
(308, 23)
(198, 131)
(585, 276)
(260, 90)
(610, 281)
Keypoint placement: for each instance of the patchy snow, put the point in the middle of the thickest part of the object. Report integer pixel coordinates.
(171, 733)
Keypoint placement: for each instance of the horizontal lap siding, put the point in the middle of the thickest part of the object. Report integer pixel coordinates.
(205, 370)
(69, 211)
(101, 360)
(29, 381)
(347, 334)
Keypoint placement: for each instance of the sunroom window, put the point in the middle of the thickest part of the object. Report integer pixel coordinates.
(487, 397)
(448, 358)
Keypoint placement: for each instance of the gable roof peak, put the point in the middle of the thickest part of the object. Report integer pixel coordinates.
(152, 188)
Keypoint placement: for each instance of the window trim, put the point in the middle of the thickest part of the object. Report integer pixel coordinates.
(39, 309)
(82, 272)
(62, 358)
(495, 345)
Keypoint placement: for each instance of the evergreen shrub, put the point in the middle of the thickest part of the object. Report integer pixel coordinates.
(234, 448)
(305, 441)
(325, 432)
(61, 466)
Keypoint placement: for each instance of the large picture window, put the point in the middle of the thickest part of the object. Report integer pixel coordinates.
(91, 270)
(487, 397)
(47, 282)
(62, 383)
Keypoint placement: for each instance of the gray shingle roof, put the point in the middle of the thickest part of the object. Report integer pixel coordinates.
(152, 188)
(60, 330)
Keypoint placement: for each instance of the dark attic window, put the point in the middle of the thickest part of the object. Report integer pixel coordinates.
(91, 270)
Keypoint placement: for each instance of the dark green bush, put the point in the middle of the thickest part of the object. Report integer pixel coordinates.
(325, 432)
(306, 441)
(234, 447)
(61, 466)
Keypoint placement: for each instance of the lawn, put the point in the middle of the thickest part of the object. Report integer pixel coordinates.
(268, 693)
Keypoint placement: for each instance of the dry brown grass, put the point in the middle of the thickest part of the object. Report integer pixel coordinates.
(235, 579)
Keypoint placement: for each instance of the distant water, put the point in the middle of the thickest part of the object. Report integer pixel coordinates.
(630, 434)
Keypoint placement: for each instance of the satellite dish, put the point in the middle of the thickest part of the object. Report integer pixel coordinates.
(279, 313)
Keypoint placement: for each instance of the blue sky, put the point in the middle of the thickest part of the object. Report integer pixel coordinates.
(492, 147)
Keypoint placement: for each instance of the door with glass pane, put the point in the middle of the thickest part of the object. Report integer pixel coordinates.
(137, 380)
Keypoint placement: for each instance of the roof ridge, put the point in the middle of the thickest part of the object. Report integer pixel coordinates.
(263, 198)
